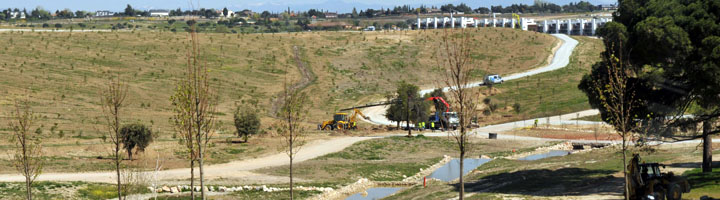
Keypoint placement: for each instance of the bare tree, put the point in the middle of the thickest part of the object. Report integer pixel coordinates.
(112, 98)
(455, 58)
(28, 145)
(618, 98)
(292, 112)
(194, 108)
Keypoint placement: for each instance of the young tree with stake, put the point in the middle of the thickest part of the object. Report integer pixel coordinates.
(28, 145)
(194, 108)
(112, 99)
(455, 58)
(292, 112)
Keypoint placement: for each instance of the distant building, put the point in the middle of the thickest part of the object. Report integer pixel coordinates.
(608, 7)
(330, 15)
(159, 13)
(103, 13)
(17, 15)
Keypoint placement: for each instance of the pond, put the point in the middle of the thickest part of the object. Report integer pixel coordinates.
(552, 153)
(451, 170)
(374, 193)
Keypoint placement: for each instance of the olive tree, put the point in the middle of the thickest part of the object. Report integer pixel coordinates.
(135, 136)
(247, 122)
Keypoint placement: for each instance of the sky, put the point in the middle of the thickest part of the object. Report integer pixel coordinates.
(256, 5)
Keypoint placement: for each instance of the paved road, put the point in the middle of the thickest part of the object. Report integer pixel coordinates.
(560, 59)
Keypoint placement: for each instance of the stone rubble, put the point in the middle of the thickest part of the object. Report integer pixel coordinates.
(264, 188)
(359, 185)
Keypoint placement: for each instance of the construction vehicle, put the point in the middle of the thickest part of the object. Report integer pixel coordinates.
(647, 182)
(444, 119)
(517, 17)
(341, 120)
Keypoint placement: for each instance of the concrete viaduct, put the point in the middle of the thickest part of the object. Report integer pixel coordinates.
(577, 26)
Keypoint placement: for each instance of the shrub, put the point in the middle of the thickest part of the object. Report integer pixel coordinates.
(247, 122)
(135, 136)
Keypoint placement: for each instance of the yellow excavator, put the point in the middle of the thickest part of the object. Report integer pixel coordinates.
(342, 121)
(517, 17)
(648, 182)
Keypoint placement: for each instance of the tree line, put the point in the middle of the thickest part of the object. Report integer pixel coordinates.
(40, 13)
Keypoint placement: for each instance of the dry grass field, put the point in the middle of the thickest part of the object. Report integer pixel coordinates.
(62, 74)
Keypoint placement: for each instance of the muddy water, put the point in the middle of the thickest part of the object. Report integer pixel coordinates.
(552, 153)
(451, 170)
(374, 193)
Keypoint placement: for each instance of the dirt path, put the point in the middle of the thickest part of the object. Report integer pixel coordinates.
(232, 170)
(307, 77)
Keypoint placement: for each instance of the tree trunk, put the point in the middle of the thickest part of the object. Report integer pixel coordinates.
(407, 123)
(130, 154)
(192, 177)
(627, 189)
(291, 172)
(28, 186)
(462, 183)
(707, 147)
(117, 170)
(117, 151)
(246, 137)
(202, 182)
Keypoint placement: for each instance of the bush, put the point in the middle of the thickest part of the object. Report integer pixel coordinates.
(58, 25)
(45, 25)
(135, 136)
(247, 122)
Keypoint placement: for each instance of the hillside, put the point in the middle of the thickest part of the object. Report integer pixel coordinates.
(63, 72)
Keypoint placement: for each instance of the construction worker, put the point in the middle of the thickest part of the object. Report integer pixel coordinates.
(432, 126)
(354, 125)
(422, 125)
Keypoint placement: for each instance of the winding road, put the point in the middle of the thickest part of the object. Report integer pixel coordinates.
(242, 169)
(560, 59)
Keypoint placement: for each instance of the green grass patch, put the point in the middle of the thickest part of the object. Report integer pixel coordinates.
(555, 92)
(703, 184)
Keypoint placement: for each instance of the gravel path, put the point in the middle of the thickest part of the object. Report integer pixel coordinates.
(236, 169)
